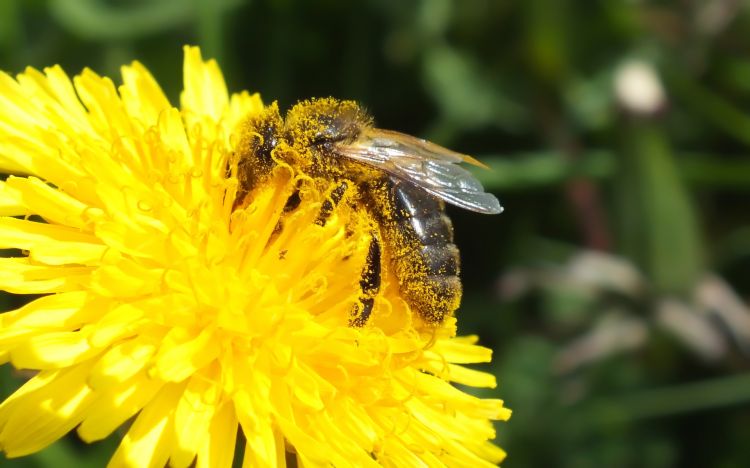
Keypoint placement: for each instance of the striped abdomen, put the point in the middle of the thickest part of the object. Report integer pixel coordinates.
(419, 242)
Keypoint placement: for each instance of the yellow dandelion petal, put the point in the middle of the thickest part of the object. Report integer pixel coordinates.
(20, 275)
(149, 440)
(182, 354)
(142, 96)
(194, 414)
(53, 205)
(63, 311)
(115, 404)
(10, 201)
(217, 448)
(58, 104)
(40, 416)
(53, 350)
(261, 440)
(169, 301)
(205, 91)
(50, 244)
(121, 362)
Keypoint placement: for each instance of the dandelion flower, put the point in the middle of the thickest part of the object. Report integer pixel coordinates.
(163, 303)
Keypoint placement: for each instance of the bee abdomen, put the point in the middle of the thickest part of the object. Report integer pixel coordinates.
(433, 229)
(428, 277)
(418, 239)
(425, 259)
(432, 296)
(434, 259)
(431, 233)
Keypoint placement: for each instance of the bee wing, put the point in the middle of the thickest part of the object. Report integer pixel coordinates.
(429, 166)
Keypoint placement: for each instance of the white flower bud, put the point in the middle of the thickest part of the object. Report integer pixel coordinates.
(638, 88)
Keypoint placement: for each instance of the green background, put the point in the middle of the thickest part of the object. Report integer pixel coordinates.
(612, 287)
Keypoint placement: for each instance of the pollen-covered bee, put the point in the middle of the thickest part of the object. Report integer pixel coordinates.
(402, 181)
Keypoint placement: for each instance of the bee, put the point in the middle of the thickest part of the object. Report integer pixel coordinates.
(402, 181)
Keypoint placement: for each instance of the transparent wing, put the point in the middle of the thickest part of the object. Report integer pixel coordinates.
(427, 165)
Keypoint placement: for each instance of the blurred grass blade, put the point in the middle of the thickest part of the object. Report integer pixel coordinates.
(679, 399)
(466, 97)
(659, 228)
(519, 171)
(719, 111)
(547, 37)
(531, 170)
(98, 20)
(10, 26)
(716, 171)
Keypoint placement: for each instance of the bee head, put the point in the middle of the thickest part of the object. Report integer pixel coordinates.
(259, 136)
(321, 122)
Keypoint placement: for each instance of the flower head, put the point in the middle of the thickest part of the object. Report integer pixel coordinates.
(166, 301)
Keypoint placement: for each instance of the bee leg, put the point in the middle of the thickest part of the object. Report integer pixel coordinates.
(294, 200)
(291, 204)
(369, 282)
(330, 203)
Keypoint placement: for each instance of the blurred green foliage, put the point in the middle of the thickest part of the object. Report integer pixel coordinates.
(633, 356)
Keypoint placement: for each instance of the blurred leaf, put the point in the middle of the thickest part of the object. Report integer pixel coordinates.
(613, 332)
(532, 170)
(465, 97)
(718, 301)
(68, 452)
(678, 399)
(547, 35)
(532, 396)
(704, 102)
(735, 72)
(692, 327)
(591, 100)
(659, 226)
(434, 16)
(98, 20)
(527, 171)
(716, 171)
(9, 23)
